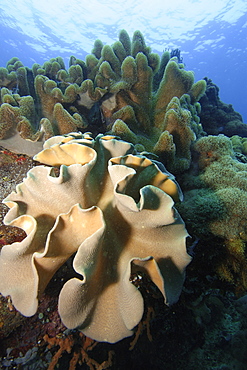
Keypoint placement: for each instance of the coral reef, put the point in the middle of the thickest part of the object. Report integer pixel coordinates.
(106, 206)
(217, 117)
(124, 88)
(91, 235)
(151, 119)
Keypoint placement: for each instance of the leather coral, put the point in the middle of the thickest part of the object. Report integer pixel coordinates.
(111, 209)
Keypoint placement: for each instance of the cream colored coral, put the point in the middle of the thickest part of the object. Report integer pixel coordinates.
(112, 210)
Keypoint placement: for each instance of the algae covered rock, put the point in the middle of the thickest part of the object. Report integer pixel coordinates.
(217, 117)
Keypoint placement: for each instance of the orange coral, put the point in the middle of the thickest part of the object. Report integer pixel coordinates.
(79, 348)
(142, 324)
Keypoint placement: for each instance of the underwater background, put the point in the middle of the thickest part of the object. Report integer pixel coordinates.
(150, 158)
(211, 35)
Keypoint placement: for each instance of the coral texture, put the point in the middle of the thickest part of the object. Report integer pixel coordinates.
(113, 211)
(216, 203)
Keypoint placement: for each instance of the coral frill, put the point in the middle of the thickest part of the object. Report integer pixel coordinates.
(107, 206)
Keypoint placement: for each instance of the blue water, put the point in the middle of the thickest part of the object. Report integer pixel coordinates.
(213, 42)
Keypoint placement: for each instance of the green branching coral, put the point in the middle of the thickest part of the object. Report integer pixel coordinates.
(7, 79)
(44, 115)
(21, 114)
(143, 111)
(51, 99)
(177, 123)
(126, 84)
(55, 106)
(15, 76)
